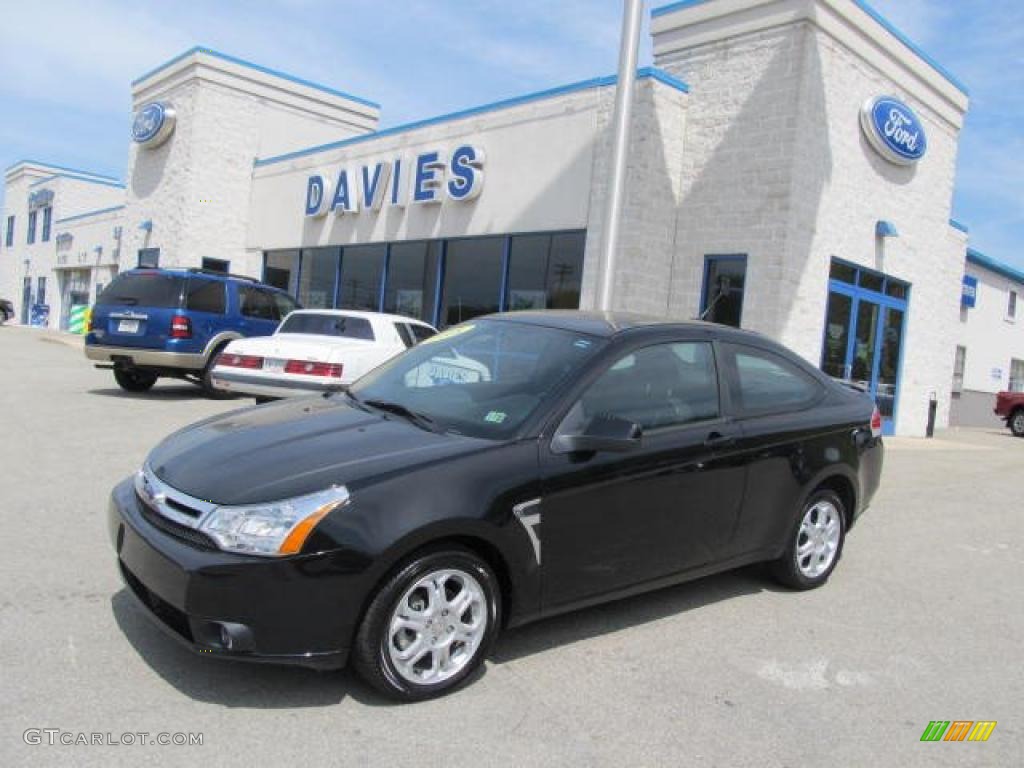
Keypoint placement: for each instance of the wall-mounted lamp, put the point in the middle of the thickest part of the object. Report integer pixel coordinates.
(885, 228)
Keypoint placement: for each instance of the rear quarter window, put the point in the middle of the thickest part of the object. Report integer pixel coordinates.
(421, 332)
(146, 289)
(764, 382)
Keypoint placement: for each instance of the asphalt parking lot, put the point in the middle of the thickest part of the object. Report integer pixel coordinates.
(923, 620)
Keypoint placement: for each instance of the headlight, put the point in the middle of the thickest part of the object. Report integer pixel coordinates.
(273, 529)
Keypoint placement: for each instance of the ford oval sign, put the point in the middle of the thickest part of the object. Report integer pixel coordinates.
(153, 124)
(894, 130)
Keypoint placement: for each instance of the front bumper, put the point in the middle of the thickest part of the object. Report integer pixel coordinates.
(262, 385)
(145, 358)
(287, 611)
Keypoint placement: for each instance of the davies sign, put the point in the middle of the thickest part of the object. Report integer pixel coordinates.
(428, 177)
(894, 130)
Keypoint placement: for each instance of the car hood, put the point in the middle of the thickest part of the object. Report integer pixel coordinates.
(300, 346)
(295, 447)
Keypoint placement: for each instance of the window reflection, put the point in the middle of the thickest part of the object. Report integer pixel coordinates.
(412, 279)
(361, 268)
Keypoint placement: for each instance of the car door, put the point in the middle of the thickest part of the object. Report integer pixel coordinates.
(773, 403)
(609, 521)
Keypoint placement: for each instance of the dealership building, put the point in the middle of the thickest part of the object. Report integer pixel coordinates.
(791, 170)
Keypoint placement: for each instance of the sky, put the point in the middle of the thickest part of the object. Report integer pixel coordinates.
(66, 69)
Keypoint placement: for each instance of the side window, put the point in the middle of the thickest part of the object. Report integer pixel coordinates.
(405, 334)
(257, 304)
(763, 381)
(658, 386)
(421, 332)
(285, 304)
(205, 296)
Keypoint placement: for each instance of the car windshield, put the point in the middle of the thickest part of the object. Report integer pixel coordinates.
(482, 378)
(328, 325)
(144, 289)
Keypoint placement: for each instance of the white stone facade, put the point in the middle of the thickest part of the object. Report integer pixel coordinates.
(991, 334)
(745, 140)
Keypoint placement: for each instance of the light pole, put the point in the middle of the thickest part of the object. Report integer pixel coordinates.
(631, 18)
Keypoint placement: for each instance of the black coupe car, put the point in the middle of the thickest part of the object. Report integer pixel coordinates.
(513, 467)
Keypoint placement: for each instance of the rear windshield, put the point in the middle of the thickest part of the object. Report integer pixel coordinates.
(328, 325)
(144, 289)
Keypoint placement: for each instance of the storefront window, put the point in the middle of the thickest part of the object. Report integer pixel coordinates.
(842, 272)
(281, 270)
(317, 276)
(472, 279)
(412, 279)
(361, 269)
(216, 265)
(871, 281)
(724, 279)
(545, 271)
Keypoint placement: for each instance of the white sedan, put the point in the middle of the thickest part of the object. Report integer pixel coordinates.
(314, 350)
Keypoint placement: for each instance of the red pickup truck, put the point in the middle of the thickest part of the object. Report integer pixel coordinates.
(1010, 406)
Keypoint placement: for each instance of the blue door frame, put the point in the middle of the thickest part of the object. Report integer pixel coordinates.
(857, 294)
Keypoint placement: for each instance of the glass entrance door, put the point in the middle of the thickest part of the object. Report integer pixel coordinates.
(864, 334)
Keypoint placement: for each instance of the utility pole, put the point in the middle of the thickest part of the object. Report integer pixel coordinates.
(631, 18)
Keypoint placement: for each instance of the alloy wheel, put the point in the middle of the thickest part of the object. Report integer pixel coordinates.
(437, 626)
(817, 539)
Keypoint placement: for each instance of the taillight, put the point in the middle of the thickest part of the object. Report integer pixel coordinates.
(313, 369)
(181, 327)
(876, 423)
(251, 362)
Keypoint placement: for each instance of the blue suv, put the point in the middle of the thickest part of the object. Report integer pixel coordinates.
(150, 323)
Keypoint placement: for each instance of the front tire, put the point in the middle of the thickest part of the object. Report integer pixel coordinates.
(815, 542)
(430, 626)
(134, 379)
(1017, 422)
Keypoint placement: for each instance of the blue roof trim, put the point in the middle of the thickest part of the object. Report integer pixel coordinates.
(912, 46)
(663, 77)
(958, 225)
(89, 213)
(61, 168)
(980, 259)
(671, 7)
(583, 85)
(258, 68)
(76, 177)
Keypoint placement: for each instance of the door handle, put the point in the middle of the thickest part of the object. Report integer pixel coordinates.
(718, 440)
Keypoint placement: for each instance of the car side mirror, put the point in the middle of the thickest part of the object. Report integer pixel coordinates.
(602, 433)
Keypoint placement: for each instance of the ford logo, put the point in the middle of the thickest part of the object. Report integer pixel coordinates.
(894, 130)
(153, 124)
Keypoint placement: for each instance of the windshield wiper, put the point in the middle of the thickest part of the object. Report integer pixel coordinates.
(419, 419)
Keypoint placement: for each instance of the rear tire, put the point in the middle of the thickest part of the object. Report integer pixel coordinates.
(134, 379)
(430, 625)
(206, 378)
(1017, 422)
(815, 542)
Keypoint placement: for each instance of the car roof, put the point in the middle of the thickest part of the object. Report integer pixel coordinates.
(186, 272)
(361, 313)
(597, 323)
